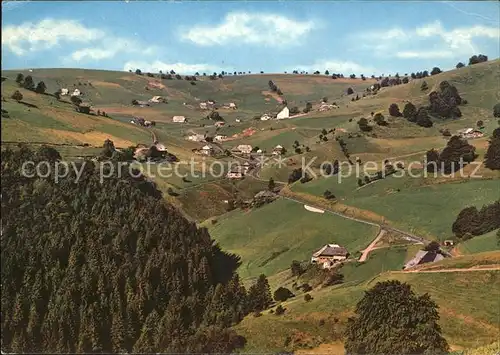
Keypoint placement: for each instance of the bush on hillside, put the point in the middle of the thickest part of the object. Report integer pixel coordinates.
(496, 110)
(363, 125)
(350, 91)
(17, 96)
(424, 86)
(475, 59)
(435, 71)
(280, 310)
(328, 195)
(282, 294)
(460, 65)
(296, 268)
(410, 112)
(492, 156)
(40, 88)
(388, 315)
(394, 110)
(458, 152)
(259, 294)
(380, 119)
(308, 297)
(444, 103)
(422, 118)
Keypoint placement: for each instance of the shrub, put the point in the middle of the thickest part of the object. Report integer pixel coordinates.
(394, 110)
(424, 86)
(350, 91)
(410, 112)
(435, 71)
(496, 110)
(307, 297)
(17, 96)
(306, 287)
(280, 310)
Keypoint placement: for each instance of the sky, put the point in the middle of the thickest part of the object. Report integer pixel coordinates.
(369, 37)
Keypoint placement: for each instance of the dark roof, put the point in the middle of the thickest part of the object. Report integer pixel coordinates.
(332, 251)
(429, 257)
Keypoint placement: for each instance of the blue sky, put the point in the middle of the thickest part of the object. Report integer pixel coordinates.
(371, 37)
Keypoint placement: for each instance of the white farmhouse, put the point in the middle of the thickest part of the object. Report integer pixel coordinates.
(285, 113)
(244, 148)
(207, 150)
(265, 117)
(220, 137)
(179, 119)
(64, 92)
(76, 93)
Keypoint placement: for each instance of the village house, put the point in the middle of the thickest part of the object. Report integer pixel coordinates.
(234, 174)
(147, 123)
(203, 106)
(64, 92)
(179, 119)
(327, 107)
(207, 150)
(76, 92)
(220, 138)
(329, 255)
(196, 137)
(219, 123)
(259, 151)
(285, 113)
(470, 133)
(265, 117)
(246, 166)
(278, 150)
(232, 105)
(243, 149)
(156, 99)
(423, 257)
(448, 243)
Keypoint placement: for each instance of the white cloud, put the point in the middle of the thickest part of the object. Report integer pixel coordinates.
(241, 27)
(109, 48)
(46, 34)
(182, 68)
(425, 54)
(433, 40)
(334, 66)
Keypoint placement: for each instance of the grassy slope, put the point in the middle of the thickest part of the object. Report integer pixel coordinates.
(482, 243)
(270, 237)
(468, 309)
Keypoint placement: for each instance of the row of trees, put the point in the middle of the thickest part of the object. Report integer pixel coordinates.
(29, 84)
(472, 222)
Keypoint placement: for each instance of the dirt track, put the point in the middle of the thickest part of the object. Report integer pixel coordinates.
(476, 268)
(370, 247)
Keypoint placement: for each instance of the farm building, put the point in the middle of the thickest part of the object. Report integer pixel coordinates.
(470, 133)
(179, 119)
(196, 137)
(448, 243)
(423, 257)
(327, 107)
(234, 174)
(76, 92)
(207, 150)
(265, 117)
(157, 99)
(64, 92)
(285, 113)
(278, 150)
(220, 138)
(328, 255)
(243, 149)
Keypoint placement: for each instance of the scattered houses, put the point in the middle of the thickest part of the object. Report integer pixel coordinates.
(283, 114)
(329, 255)
(423, 257)
(179, 119)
